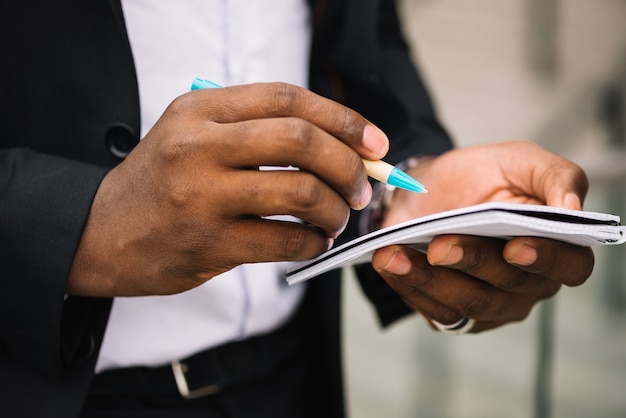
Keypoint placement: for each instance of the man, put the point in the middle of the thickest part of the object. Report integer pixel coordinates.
(90, 213)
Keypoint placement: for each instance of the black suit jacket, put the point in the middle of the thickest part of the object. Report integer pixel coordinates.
(70, 112)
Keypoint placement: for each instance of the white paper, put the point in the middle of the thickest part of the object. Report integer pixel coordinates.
(500, 220)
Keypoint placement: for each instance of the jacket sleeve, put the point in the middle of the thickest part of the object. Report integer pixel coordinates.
(44, 202)
(67, 99)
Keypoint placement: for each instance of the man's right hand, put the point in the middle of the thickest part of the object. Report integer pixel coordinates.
(190, 202)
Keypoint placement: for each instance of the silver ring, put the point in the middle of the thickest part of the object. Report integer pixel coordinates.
(464, 325)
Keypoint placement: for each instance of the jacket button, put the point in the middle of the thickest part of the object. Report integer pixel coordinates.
(121, 139)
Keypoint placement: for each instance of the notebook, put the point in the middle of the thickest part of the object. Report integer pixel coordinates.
(494, 219)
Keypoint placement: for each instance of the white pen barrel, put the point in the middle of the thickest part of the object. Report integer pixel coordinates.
(379, 170)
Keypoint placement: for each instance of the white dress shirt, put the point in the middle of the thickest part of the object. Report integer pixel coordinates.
(229, 42)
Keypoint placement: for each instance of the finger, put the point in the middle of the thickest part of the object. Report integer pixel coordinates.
(410, 274)
(432, 310)
(483, 258)
(293, 142)
(251, 240)
(270, 100)
(394, 265)
(458, 294)
(563, 263)
(553, 179)
(286, 193)
(256, 240)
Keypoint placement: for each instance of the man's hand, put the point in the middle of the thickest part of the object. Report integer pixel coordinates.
(190, 201)
(489, 280)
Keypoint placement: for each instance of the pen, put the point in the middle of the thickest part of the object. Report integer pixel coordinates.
(379, 170)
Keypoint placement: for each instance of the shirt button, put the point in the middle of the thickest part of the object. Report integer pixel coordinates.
(121, 139)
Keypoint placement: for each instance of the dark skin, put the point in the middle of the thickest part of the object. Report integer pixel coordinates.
(171, 216)
(492, 281)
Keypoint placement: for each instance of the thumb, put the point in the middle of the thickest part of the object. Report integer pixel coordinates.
(553, 179)
(569, 201)
(569, 192)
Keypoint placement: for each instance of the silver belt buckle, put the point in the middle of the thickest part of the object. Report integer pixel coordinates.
(179, 369)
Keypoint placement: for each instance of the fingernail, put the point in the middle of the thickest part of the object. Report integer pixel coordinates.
(375, 140)
(526, 255)
(399, 264)
(454, 255)
(571, 201)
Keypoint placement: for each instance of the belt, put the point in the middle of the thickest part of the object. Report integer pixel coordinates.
(211, 371)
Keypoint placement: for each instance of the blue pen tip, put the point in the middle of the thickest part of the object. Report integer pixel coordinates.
(401, 179)
(200, 83)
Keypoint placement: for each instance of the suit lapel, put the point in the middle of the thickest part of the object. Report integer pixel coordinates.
(118, 13)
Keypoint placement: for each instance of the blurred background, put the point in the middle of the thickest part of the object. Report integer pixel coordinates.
(554, 72)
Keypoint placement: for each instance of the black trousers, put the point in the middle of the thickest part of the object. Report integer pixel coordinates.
(271, 376)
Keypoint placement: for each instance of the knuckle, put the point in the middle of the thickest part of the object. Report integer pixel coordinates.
(566, 171)
(176, 160)
(306, 192)
(477, 302)
(516, 281)
(550, 290)
(574, 273)
(424, 277)
(181, 105)
(182, 197)
(337, 223)
(519, 315)
(298, 135)
(578, 280)
(177, 146)
(345, 121)
(285, 99)
(473, 260)
(585, 271)
(353, 164)
(580, 177)
(291, 244)
(447, 317)
(503, 310)
(174, 149)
